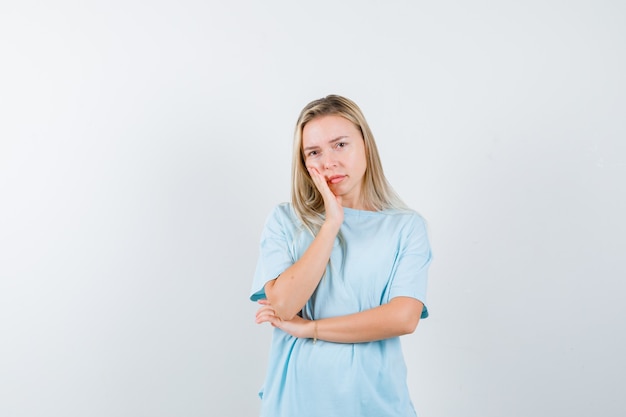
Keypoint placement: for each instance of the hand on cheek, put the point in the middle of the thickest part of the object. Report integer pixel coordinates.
(318, 179)
(332, 202)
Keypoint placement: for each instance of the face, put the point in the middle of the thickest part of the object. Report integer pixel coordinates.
(335, 147)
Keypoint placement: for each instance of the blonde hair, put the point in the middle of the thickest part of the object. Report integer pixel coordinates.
(307, 201)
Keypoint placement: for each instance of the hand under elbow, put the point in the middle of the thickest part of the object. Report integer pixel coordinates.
(278, 302)
(282, 311)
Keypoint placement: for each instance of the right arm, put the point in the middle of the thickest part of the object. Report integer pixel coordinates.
(290, 291)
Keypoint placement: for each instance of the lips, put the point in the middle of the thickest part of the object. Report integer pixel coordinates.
(335, 179)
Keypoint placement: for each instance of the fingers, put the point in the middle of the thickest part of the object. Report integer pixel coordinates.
(332, 203)
(322, 186)
(266, 314)
(319, 181)
(265, 310)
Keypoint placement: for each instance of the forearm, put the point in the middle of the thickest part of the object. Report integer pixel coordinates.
(398, 317)
(292, 289)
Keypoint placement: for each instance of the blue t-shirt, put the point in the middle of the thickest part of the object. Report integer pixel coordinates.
(383, 255)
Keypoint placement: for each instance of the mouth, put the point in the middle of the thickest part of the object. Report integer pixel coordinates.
(335, 179)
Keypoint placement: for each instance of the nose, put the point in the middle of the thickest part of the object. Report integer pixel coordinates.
(329, 161)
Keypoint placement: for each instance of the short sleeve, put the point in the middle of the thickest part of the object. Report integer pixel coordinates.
(274, 253)
(414, 257)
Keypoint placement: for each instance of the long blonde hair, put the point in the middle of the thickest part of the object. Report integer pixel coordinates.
(307, 201)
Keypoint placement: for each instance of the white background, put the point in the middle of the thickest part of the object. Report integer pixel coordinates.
(143, 143)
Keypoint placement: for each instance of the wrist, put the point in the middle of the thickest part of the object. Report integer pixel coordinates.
(331, 226)
(313, 331)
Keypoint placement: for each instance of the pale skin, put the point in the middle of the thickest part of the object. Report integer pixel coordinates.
(334, 154)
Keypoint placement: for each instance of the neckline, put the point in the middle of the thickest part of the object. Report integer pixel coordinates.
(347, 211)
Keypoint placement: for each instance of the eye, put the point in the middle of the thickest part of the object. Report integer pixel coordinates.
(341, 144)
(311, 154)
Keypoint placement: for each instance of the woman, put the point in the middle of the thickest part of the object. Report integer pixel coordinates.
(341, 275)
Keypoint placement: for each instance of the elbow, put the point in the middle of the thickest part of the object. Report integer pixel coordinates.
(409, 325)
(406, 327)
(286, 317)
(279, 302)
(407, 314)
(406, 323)
(282, 311)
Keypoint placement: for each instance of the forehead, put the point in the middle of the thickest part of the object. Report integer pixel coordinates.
(324, 129)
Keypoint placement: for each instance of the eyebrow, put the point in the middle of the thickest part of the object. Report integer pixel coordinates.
(337, 139)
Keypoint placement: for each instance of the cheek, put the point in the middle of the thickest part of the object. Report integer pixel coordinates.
(360, 163)
(312, 164)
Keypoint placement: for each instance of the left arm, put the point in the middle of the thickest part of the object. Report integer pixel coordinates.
(398, 317)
